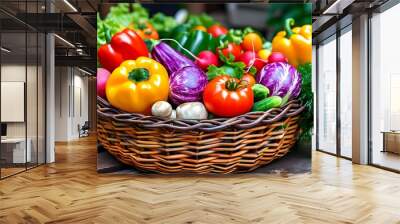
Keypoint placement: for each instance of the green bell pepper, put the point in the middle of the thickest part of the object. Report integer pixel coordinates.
(198, 41)
(182, 28)
(195, 41)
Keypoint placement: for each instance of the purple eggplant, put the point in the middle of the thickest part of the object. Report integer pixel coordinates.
(186, 80)
(170, 58)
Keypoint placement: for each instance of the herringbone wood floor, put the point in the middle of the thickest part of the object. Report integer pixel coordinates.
(70, 191)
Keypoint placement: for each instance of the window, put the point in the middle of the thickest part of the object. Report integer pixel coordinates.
(327, 96)
(385, 89)
(346, 92)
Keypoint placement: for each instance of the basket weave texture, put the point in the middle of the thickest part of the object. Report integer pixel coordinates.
(220, 145)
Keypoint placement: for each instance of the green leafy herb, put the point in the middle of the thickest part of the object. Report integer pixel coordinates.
(120, 16)
(163, 24)
(306, 98)
(104, 28)
(233, 36)
(230, 67)
(126, 14)
(200, 20)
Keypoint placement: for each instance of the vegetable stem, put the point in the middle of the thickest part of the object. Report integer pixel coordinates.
(233, 85)
(288, 24)
(254, 59)
(177, 43)
(107, 33)
(139, 74)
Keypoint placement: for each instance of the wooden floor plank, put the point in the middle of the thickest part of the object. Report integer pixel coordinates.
(71, 191)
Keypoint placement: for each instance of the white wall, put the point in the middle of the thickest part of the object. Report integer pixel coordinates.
(34, 124)
(71, 102)
(12, 73)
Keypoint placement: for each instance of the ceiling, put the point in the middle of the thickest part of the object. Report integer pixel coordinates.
(72, 20)
(75, 21)
(330, 16)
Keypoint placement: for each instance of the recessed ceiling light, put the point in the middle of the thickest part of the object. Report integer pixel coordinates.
(84, 71)
(70, 5)
(65, 41)
(5, 50)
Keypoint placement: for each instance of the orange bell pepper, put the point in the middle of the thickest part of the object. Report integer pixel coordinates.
(145, 30)
(295, 44)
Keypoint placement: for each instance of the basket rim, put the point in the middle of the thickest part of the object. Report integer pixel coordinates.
(244, 121)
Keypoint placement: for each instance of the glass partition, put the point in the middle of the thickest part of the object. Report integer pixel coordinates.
(22, 77)
(15, 152)
(32, 97)
(41, 97)
(326, 133)
(385, 89)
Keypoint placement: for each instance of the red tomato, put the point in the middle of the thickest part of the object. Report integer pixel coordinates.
(232, 48)
(205, 59)
(250, 58)
(249, 79)
(217, 30)
(225, 96)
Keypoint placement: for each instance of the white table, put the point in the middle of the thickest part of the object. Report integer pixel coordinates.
(18, 145)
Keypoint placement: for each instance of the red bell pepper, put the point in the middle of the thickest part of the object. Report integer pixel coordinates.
(124, 45)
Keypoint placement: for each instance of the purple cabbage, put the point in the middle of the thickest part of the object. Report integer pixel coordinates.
(187, 85)
(170, 58)
(281, 79)
(186, 80)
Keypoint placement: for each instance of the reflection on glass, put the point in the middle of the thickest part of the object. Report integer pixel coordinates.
(41, 99)
(327, 97)
(15, 151)
(22, 90)
(31, 97)
(346, 94)
(385, 84)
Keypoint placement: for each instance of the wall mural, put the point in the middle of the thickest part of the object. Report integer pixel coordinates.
(204, 88)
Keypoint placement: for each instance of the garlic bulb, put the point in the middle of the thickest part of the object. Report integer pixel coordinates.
(191, 111)
(161, 109)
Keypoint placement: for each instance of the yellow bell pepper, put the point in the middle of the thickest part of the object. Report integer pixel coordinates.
(137, 84)
(295, 44)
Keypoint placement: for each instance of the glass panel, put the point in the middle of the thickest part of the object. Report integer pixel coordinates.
(314, 89)
(346, 94)
(32, 88)
(385, 84)
(13, 86)
(327, 96)
(41, 99)
(32, 98)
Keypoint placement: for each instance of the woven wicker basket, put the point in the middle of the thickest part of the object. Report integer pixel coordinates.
(220, 145)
